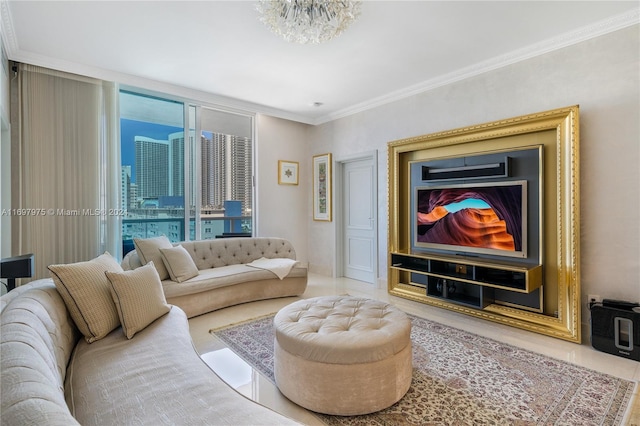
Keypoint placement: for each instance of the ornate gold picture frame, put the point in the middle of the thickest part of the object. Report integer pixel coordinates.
(555, 134)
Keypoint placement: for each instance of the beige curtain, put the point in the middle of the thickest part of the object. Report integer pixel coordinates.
(65, 167)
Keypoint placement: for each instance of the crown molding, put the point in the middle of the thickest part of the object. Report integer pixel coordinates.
(160, 88)
(13, 52)
(7, 31)
(614, 23)
(596, 29)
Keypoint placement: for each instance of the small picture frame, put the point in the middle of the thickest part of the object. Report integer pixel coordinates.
(288, 172)
(322, 187)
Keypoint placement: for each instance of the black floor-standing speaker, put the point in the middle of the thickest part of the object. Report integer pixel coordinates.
(615, 328)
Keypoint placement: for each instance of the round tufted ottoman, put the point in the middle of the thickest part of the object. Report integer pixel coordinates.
(342, 355)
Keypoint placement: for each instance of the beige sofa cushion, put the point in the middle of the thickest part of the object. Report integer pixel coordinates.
(87, 293)
(224, 276)
(138, 297)
(148, 250)
(179, 263)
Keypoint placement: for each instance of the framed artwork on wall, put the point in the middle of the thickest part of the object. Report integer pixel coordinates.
(287, 172)
(322, 187)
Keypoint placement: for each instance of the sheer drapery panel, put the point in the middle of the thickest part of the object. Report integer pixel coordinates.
(65, 168)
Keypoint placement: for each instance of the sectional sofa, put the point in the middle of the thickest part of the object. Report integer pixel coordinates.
(100, 345)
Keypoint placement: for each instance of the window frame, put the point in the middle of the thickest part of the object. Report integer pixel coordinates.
(192, 108)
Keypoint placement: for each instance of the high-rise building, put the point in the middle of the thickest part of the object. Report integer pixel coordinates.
(208, 163)
(133, 196)
(176, 163)
(226, 171)
(125, 187)
(152, 167)
(241, 171)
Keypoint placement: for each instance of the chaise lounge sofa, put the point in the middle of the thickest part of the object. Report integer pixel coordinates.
(52, 376)
(221, 272)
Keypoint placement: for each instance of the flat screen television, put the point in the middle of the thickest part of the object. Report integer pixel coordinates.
(488, 218)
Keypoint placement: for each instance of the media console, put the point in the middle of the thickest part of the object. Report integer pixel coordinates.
(467, 281)
(526, 169)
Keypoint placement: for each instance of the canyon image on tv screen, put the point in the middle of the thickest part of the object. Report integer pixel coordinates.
(482, 218)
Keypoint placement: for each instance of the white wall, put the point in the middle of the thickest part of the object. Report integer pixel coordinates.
(601, 75)
(282, 210)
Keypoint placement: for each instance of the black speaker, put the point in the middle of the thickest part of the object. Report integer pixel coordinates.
(16, 267)
(615, 328)
(500, 169)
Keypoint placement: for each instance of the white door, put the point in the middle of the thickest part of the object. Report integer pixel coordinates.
(359, 220)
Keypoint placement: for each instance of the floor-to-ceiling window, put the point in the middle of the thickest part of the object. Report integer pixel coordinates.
(152, 174)
(179, 185)
(226, 184)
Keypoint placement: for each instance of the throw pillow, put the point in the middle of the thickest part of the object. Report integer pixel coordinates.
(138, 297)
(87, 294)
(179, 263)
(148, 250)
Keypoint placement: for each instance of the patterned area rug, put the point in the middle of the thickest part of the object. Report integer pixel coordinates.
(460, 378)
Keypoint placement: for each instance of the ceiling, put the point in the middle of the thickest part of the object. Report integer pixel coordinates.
(220, 52)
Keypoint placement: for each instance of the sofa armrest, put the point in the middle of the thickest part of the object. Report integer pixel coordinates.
(131, 261)
(37, 339)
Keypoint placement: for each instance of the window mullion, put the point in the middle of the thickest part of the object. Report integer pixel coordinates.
(186, 178)
(198, 172)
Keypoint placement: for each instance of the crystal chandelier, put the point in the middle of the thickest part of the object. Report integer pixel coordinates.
(308, 21)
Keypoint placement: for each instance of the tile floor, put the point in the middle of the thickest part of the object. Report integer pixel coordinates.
(255, 386)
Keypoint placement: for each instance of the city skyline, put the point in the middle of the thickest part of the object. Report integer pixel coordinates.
(129, 129)
(226, 165)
